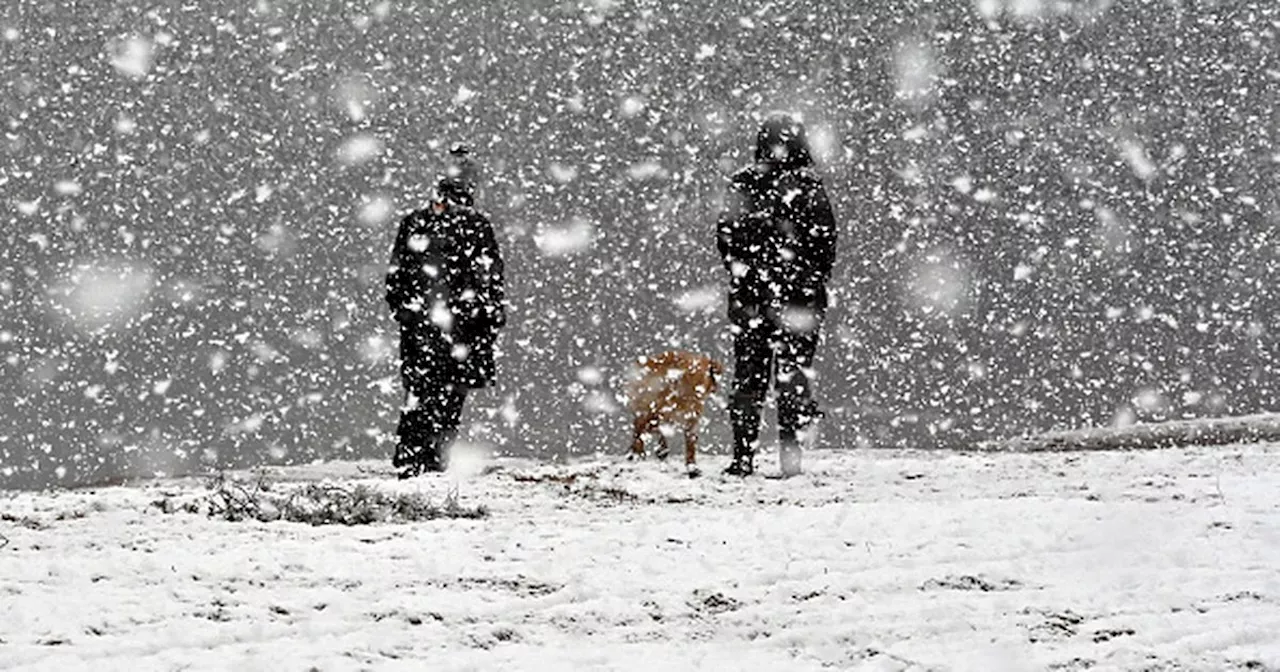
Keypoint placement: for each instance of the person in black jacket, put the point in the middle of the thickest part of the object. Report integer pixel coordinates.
(777, 238)
(445, 288)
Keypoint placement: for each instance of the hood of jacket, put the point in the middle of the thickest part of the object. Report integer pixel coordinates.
(782, 142)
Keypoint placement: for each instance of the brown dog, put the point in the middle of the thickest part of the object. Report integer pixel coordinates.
(670, 389)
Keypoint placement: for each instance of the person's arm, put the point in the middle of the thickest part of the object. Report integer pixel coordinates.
(824, 231)
(397, 285)
(731, 228)
(478, 296)
(489, 271)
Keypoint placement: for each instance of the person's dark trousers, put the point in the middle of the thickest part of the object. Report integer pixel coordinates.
(433, 404)
(766, 354)
(428, 425)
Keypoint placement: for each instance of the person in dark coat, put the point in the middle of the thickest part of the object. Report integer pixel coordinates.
(777, 238)
(445, 288)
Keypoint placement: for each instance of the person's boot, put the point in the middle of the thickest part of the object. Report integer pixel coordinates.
(789, 458)
(405, 459)
(413, 462)
(743, 463)
(411, 470)
(431, 463)
(429, 459)
(797, 436)
(740, 466)
(744, 415)
(408, 444)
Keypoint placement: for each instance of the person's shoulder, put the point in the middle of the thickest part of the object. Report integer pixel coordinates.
(468, 214)
(411, 220)
(453, 211)
(807, 175)
(476, 213)
(468, 221)
(747, 176)
(804, 179)
(417, 214)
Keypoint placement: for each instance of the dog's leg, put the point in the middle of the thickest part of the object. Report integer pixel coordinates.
(641, 427)
(661, 431)
(691, 449)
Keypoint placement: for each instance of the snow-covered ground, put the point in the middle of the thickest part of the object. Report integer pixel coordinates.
(1159, 560)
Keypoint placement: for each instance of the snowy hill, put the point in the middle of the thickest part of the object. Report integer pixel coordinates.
(876, 560)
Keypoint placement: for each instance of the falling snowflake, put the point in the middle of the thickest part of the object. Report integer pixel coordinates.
(562, 173)
(631, 106)
(562, 241)
(132, 56)
(375, 210)
(700, 299)
(103, 294)
(916, 70)
(939, 283)
(359, 149)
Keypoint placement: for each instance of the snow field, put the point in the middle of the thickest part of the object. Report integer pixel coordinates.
(872, 560)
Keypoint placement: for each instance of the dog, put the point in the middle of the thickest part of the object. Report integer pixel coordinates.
(670, 390)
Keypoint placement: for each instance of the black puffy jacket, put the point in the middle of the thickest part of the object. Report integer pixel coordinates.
(777, 234)
(777, 238)
(446, 278)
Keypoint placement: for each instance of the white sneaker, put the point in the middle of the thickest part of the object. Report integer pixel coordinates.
(789, 459)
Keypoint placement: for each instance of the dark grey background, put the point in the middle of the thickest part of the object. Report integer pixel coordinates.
(1053, 214)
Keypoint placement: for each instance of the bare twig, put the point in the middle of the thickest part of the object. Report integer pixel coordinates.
(4, 541)
(326, 504)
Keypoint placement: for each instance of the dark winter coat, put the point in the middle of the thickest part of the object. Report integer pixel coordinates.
(777, 238)
(445, 287)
